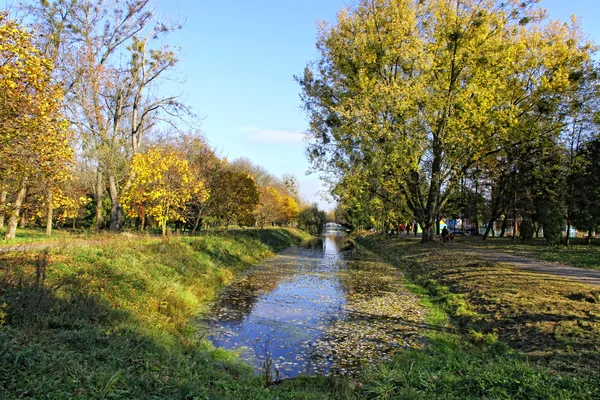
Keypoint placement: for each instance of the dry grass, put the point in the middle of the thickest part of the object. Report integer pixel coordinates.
(553, 320)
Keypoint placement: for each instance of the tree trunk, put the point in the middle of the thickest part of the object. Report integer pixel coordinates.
(590, 233)
(143, 223)
(164, 227)
(428, 234)
(568, 241)
(23, 220)
(477, 205)
(504, 226)
(99, 194)
(490, 226)
(11, 231)
(3, 195)
(116, 211)
(197, 222)
(49, 213)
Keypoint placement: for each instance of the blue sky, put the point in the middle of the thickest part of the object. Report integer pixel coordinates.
(239, 59)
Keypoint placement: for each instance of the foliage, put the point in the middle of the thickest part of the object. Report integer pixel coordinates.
(234, 196)
(34, 141)
(312, 220)
(407, 96)
(586, 188)
(163, 185)
(113, 67)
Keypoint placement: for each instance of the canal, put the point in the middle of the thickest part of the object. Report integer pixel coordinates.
(324, 308)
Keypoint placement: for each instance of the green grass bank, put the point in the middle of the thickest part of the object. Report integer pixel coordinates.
(493, 332)
(115, 320)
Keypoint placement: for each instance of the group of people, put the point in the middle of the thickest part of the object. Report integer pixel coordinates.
(409, 228)
(447, 236)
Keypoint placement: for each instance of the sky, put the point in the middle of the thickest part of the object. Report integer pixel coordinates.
(238, 59)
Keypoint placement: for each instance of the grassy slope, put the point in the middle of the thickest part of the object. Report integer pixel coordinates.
(113, 320)
(548, 330)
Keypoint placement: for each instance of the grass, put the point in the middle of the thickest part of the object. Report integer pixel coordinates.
(28, 235)
(578, 254)
(511, 334)
(112, 320)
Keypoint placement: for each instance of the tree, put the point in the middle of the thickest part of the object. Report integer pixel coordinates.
(270, 207)
(311, 219)
(234, 196)
(110, 68)
(163, 185)
(417, 93)
(34, 141)
(290, 209)
(586, 186)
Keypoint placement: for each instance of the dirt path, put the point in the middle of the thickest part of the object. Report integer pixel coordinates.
(589, 276)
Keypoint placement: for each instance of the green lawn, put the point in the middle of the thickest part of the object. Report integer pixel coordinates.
(115, 320)
(29, 235)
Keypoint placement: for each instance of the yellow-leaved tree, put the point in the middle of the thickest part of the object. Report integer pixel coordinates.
(34, 139)
(163, 185)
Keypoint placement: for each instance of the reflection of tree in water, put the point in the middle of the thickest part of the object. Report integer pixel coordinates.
(238, 300)
(314, 244)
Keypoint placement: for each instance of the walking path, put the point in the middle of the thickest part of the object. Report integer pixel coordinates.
(583, 275)
(589, 276)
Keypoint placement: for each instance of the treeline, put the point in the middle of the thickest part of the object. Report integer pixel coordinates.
(475, 110)
(94, 134)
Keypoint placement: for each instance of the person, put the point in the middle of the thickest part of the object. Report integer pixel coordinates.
(445, 234)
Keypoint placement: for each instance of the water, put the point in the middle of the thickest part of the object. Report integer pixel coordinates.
(321, 308)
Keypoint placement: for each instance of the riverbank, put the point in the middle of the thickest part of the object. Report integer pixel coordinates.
(510, 334)
(112, 320)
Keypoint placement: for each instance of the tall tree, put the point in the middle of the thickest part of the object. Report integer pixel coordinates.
(34, 141)
(110, 66)
(421, 91)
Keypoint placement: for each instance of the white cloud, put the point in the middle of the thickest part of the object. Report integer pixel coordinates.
(270, 136)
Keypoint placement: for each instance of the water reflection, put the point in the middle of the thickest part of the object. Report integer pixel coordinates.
(318, 308)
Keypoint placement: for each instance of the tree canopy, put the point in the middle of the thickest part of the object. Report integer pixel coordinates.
(408, 96)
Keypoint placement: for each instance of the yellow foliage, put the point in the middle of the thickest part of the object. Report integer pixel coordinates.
(163, 184)
(34, 139)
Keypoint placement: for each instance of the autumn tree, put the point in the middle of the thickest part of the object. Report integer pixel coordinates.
(34, 139)
(205, 166)
(111, 63)
(270, 207)
(234, 196)
(163, 185)
(419, 92)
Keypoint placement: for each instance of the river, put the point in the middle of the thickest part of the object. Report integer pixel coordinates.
(319, 308)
